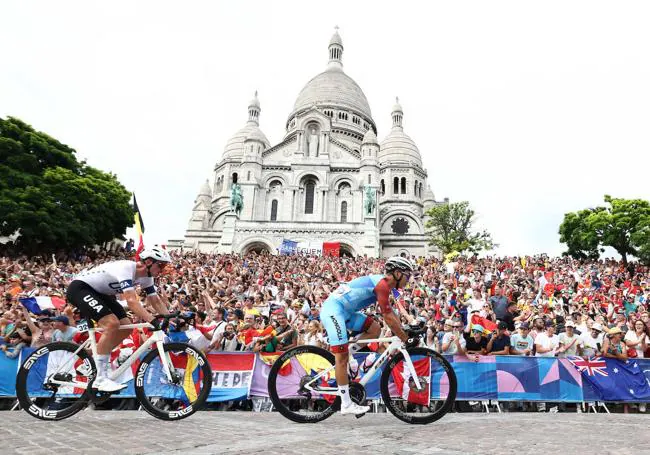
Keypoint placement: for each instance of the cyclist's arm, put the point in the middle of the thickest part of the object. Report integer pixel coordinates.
(157, 304)
(135, 306)
(382, 291)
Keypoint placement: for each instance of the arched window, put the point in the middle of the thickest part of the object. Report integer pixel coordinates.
(415, 189)
(403, 185)
(310, 187)
(248, 176)
(274, 210)
(395, 185)
(344, 212)
(369, 179)
(383, 187)
(234, 178)
(420, 190)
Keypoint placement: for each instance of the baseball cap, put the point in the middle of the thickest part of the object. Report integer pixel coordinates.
(502, 325)
(524, 325)
(569, 324)
(597, 326)
(63, 319)
(548, 324)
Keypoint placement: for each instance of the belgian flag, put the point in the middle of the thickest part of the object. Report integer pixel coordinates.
(139, 226)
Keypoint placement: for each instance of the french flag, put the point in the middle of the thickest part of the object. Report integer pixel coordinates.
(37, 305)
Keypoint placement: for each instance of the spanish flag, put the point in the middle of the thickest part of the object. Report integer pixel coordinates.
(139, 226)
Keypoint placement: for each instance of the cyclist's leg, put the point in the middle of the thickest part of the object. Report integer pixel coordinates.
(107, 313)
(364, 324)
(333, 318)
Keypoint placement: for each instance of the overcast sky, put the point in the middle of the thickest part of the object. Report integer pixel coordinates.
(526, 109)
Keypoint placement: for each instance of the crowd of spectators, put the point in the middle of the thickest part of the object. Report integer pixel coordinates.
(542, 306)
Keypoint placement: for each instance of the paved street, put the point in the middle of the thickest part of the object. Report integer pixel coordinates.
(134, 432)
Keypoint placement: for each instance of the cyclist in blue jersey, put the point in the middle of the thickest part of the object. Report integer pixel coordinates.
(341, 312)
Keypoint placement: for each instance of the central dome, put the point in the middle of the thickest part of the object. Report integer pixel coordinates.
(333, 87)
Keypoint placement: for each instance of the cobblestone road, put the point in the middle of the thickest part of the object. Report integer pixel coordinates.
(134, 432)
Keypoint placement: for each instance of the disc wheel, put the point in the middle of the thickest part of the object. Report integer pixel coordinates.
(185, 393)
(292, 373)
(425, 403)
(36, 388)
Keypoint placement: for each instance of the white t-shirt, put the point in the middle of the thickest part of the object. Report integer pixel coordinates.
(452, 349)
(115, 277)
(520, 343)
(475, 304)
(547, 342)
(632, 336)
(573, 342)
(590, 344)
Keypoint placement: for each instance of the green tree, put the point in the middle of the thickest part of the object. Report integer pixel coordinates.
(55, 200)
(624, 224)
(449, 228)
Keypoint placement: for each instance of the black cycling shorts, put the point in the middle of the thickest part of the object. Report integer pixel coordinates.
(92, 304)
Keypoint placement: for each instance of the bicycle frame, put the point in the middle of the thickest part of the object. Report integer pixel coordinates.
(394, 346)
(157, 337)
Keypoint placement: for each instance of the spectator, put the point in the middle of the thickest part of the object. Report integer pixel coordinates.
(499, 342)
(547, 342)
(287, 335)
(613, 346)
(453, 342)
(499, 303)
(313, 336)
(592, 341)
(522, 343)
(637, 339)
(475, 342)
(62, 329)
(569, 342)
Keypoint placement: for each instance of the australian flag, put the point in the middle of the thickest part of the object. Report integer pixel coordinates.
(614, 380)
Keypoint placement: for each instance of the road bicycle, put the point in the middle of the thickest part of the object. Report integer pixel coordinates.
(171, 382)
(417, 385)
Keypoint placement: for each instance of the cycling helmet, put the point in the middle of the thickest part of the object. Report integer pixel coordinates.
(399, 263)
(156, 253)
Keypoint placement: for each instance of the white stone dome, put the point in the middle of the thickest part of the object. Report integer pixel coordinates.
(235, 145)
(333, 88)
(399, 147)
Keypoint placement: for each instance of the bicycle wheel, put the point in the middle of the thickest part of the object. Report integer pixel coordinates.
(185, 393)
(44, 399)
(424, 404)
(295, 382)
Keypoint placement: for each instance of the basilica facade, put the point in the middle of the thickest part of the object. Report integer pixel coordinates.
(329, 180)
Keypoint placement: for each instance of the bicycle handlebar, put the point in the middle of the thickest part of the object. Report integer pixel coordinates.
(166, 318)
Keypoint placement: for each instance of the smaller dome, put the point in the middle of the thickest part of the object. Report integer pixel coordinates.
(370, 137)
(257, 135)
(235, 145)
(398, 147)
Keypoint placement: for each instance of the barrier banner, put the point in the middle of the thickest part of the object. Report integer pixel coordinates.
(8, 371)
(237, 376)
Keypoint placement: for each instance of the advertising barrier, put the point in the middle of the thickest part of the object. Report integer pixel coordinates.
(237, 376)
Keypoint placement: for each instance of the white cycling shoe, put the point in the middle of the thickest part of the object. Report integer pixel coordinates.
(107, 385)
(354, 409)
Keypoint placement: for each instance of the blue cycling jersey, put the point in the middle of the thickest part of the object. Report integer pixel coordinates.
(358, 293)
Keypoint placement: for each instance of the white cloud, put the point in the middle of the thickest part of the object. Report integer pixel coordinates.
(528, 110)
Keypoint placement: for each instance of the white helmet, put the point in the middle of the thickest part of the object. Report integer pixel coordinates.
(399, 263)
(156, 253)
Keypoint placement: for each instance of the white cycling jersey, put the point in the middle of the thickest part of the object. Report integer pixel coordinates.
(114, 278)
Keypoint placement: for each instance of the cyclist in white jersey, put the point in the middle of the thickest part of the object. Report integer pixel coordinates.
(93, 291)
